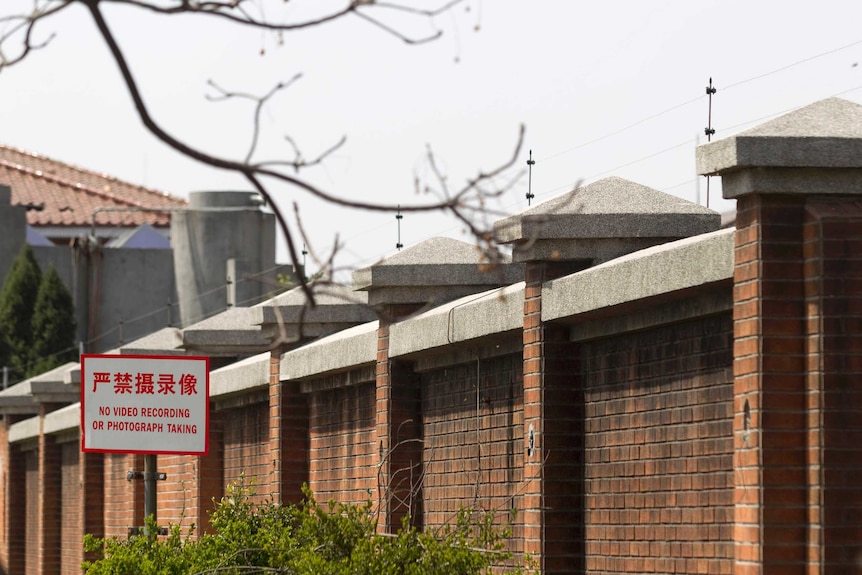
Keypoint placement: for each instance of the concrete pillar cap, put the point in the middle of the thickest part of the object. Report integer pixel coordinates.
(602, 220)
(788, 154)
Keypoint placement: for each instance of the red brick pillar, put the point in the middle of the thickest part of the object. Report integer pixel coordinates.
(553, 433)
(399, 430)
(15, 494)
(770, 387)
(4, 489)
(91, 473)
(47, 559)
(288, 436)
(797, 339)
(210, 473)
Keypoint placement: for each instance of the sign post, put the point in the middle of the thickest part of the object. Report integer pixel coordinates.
(146, 405)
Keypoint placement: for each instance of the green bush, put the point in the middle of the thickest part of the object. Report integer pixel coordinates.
(337, 539)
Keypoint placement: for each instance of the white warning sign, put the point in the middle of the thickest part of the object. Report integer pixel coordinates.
(145, 404)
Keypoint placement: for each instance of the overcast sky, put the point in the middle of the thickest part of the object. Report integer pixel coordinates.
(603, 88)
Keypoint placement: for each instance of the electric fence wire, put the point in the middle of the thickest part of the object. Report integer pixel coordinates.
(628, 127)
(545, 193)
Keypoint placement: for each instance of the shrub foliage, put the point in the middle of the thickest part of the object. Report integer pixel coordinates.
(333, 539)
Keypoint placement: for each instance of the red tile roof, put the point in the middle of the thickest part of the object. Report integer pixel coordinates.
(69, 194)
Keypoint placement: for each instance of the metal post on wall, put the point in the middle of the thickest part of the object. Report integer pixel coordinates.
(150, 477)
(150, 486)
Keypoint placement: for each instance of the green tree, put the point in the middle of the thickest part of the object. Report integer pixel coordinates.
(53, 325)
(17, 300)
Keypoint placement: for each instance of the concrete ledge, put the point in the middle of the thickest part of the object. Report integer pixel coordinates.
(334, 303)
(65, 419)
(166, 341)
(242, 376)
(712, 302)
(24, 430)
(487, 313)
(52, 386)
(438, 262)
(233, 331)
(18, 399)
(340, 351)
(808, 181)
(73, 376)
(662, 269)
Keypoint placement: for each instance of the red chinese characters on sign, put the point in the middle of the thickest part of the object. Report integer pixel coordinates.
(146, 383)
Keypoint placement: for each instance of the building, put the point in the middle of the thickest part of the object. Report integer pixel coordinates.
(653, 394)
(107, 238)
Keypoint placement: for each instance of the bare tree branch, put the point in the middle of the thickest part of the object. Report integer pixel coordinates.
(27, 23)
(467, 204)
(259, 101)
(235, 11)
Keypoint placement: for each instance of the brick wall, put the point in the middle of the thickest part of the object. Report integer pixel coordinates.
(403, 485)
(71, 509)
(15, 517)
(50, 502)
(715, 445)
(124, 500)
(4, 488)
(658, 446)
(31, 512)
(343, 451)
(210, 469)
(176, 497)
(246, 446)
(473, 445)
(91, 474)
(288, 436)
(562, 455)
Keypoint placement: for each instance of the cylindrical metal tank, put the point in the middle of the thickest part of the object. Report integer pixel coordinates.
(217, 227)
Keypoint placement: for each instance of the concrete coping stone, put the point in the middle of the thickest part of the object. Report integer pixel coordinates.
(244, 375)
(666, 268)
(233, 328)
(611, 208)
(438, 262)
(56, 375)
(470, 317)
(347, 349)
(73, 376)
(232, 319)
(334, 304)
(825, 134)
(24, 430)
(20, 389)
(53, 385)
(19, 399)
(166, 341)
(64, 419)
